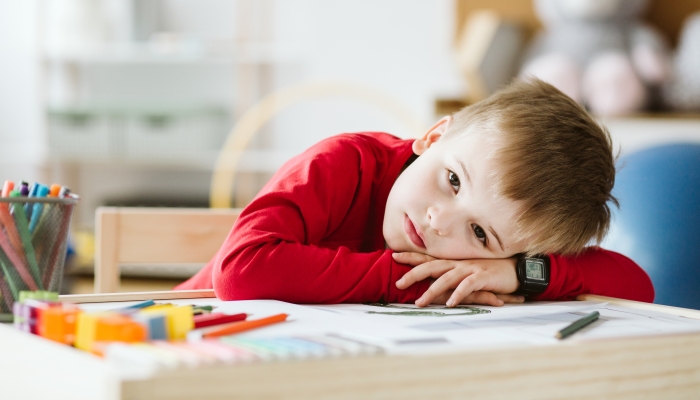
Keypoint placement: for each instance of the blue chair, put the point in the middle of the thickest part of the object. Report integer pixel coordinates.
(658, 223)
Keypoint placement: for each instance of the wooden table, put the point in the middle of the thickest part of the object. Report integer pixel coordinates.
(649, 367)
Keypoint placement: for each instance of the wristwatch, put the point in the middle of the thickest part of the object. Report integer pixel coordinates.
(533, 274)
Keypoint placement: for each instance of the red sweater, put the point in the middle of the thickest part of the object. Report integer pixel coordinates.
(314, 235)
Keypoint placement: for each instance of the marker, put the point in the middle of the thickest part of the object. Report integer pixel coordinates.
(54, 190)
(577, 325)
(7, 188)
(33, 191)
(64, 192)
(42, 191)
(23, 188)
(236, 327)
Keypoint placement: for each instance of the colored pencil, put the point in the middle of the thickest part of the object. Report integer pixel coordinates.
(58, 248)
(577, 325)
(23, 229)
(237, 327)
(8, 223)
(205, 320)
(13, 260)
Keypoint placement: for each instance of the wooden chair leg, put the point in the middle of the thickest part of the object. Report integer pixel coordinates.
(106, 247)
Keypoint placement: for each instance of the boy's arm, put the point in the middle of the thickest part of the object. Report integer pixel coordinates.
(597, 271)
(272, 251)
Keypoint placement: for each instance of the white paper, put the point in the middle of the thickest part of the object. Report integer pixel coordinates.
(510, 325)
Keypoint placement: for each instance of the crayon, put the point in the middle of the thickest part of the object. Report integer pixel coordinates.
(58, 323)
(85, 330)
(178, 319)
(118, 328)
(237, 327)
(227, 350)
(155, 325)
(205, 320)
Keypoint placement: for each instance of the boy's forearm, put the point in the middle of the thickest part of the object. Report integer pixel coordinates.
(298, 273)
(597, 271)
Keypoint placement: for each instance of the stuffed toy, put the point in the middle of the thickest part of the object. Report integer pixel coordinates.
(600, 53)
(683, 91)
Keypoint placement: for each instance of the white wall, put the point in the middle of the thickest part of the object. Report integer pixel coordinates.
(401, 47)
(22, 122)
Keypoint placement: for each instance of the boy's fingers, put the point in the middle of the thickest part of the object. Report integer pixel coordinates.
(482, 297)
(479, 297)
(511, 298)
(464, 289)
(411, 258)
(440, 286)
(423, 271)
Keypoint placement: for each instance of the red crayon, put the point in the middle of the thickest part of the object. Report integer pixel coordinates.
(202, 321)
(241, 326)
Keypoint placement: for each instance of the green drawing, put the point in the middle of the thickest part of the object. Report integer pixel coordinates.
(426, 313)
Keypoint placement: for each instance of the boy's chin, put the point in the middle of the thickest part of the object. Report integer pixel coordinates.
(395, 247)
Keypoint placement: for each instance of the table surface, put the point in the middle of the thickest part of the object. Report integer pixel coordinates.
(648, 367)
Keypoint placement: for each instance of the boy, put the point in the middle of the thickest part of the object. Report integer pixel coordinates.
(447, 218)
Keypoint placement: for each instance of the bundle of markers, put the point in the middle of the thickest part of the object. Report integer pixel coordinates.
(151, 337)
(34, 224)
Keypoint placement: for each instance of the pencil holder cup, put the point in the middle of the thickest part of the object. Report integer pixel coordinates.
(33, 245)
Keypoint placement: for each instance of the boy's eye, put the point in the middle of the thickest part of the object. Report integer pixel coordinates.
(454, 180)
(480, 234)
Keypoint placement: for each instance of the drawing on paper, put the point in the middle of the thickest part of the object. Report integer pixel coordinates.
(413, 311)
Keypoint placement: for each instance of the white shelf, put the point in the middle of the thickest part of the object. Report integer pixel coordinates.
(268, 161)
(178, 52)
(636, 133)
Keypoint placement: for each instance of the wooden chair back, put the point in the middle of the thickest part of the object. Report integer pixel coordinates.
(155, 236)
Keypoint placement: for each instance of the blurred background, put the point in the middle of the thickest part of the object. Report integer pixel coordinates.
(129, 102)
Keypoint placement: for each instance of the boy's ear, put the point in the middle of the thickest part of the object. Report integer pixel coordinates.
(433, 135)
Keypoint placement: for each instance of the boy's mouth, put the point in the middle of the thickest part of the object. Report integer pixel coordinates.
(412, 232)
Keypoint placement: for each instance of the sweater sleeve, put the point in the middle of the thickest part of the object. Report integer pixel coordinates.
(274, 250)
(597, 271)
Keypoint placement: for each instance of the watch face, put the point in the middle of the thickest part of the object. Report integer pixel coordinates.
(534, 269)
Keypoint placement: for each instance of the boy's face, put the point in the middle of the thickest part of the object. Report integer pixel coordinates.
(445, 205)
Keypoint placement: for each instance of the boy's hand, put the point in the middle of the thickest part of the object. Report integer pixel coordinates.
(482, 281)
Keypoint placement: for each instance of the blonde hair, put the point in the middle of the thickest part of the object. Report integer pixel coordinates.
(555, 160)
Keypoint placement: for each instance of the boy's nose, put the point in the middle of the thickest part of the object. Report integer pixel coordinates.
(439, 220)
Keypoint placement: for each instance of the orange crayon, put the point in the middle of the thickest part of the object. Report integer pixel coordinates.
(236, 327)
